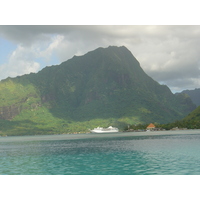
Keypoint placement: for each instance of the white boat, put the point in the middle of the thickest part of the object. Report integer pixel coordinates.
(110, 129)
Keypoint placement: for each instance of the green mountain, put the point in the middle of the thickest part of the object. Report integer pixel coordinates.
(194, 95)
(104, 87)
(194, 116)
(191, 121)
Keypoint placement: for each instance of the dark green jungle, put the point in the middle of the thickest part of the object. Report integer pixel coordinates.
(104, 87)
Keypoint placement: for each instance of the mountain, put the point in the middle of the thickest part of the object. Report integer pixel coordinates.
(194, 95)
(191, 121)
(194, 116)
(104, 87)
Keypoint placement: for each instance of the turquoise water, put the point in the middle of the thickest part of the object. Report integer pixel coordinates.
(100, 154)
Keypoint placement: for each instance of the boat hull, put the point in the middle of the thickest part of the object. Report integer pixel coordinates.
(110, 129)
(114, 131)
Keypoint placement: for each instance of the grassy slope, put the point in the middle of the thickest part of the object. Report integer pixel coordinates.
(194, 116)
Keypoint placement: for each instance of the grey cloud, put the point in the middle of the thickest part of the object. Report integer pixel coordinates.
(30, 33)
(169, 54)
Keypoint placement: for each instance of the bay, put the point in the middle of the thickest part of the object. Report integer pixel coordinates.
(141, 153)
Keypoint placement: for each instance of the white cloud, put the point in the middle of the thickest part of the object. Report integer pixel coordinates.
(23, 60)
(20, 62)
(54, 44)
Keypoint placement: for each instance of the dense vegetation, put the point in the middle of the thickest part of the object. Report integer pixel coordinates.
(192, 121)
(104, 87)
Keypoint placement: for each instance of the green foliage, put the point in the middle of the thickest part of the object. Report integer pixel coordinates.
(137, 127)
(12, 91)
(192, 121)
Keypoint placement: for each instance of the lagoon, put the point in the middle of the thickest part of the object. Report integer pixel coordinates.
(128, 153)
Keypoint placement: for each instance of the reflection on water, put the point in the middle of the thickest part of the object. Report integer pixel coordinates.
(175, 154)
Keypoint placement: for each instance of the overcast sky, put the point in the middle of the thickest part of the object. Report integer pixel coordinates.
(169, 54)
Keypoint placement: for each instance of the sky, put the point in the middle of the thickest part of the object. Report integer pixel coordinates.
(170, 54)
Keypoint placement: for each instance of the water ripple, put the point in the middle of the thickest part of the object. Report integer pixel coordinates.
(149, 155)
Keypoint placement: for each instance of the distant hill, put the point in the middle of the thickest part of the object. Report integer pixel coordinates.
(104, 87)
(191, 121)
(194, 95)
(194, 116)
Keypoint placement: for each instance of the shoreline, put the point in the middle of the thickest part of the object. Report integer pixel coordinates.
(97, 135)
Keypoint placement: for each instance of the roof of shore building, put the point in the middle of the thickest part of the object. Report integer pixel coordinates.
(151, 126)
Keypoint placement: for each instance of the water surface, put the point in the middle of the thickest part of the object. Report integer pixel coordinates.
(102, 154)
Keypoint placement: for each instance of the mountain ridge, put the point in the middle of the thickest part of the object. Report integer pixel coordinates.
(194, 95)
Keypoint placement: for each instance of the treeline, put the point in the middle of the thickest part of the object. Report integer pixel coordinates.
(177, 124)
(181, 124)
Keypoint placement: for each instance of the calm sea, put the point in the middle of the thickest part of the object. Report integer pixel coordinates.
(170, 153)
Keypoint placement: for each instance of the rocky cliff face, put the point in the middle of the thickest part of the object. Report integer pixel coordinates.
(8, 112)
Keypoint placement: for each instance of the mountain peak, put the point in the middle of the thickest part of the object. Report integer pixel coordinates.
(112, 49)
(109, 82)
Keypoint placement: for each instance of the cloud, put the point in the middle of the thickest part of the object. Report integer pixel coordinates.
(20, 62)
(23, 60)
(52, 47)
(169, 54)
